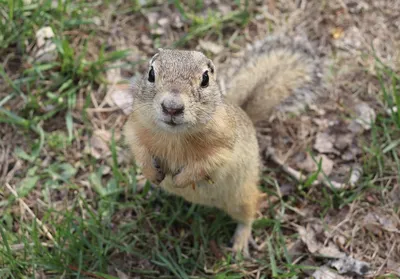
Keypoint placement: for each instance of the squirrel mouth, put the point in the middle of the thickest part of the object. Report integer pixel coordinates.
(171, 123)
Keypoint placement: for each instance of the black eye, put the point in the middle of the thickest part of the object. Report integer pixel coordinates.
(151, 75)
(204, 81)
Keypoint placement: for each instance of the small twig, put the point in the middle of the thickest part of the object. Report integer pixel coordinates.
(292, 172)
(90, 274)
(108, 109)
(21, 246)
(4, 159)
(10, 174)
(43, 227)
(354, 175)
(387, 258)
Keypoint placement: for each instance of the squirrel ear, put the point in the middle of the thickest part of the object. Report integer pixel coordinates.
(211, 66)
(153, 58)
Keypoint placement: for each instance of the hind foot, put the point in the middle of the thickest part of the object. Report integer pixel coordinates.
(241, 240)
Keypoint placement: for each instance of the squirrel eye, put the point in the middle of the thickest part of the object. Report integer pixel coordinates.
(205, 80)
(151, 75)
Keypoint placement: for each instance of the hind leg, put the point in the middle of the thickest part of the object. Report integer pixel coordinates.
(244, 211)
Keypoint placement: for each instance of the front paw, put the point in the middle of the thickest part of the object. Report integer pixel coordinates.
(160, 175)
(180, 179)
(154, 172)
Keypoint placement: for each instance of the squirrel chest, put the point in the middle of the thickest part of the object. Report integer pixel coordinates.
(176, 151)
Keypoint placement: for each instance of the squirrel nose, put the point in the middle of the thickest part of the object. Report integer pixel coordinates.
(172, 108)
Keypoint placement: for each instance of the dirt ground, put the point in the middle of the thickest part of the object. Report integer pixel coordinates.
(358, 232)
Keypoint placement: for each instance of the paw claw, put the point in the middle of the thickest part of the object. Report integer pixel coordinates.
(160, 175)
(156, 162)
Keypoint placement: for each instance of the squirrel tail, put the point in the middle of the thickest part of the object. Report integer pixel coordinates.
(280, 73)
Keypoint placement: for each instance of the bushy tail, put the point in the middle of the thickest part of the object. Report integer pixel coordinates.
(276, 73)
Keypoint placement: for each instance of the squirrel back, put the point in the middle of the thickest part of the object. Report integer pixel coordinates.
(280, 73)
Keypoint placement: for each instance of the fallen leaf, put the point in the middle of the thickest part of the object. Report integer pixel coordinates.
(365, 115)
(43, 35)
(152, 17)
(146, 40)
(177, 21)
(45, 49)
(337, 32)
(393, 266)
(351, 153)
(215, 250)
(307, 163)
(287, 188)
(343, 141)
(26, 185)
(331, 251)
(375, 221)
(121, 275)
(348, 265)
(355, 174)
(163, 21)
(99, 144)
(122, 97)
(309, 238)
(325, 272)
(114, 74)
(324, 143)
(395, 195)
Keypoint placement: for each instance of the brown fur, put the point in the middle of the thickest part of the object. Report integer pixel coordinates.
(214, 138)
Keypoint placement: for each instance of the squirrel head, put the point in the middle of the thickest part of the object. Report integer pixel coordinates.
(179, 93)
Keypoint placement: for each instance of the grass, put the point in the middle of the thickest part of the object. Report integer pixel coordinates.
(104, 224)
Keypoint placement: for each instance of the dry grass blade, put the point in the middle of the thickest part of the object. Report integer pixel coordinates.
(46, 231)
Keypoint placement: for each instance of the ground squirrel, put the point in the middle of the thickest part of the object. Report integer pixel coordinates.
(200, 144)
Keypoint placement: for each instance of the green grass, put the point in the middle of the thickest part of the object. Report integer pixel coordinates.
(102, 222)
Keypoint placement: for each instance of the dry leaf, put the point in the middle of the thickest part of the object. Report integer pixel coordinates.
(152, 17)
(163, 21)
(308, 164)
(121, 275)
(355, 174)
(337, 32)
(114, 73)
(342, 262)
(122, 97)
(365, 115)
(343, 141)
(393, 266)
(215, 250)
(325, 272)
(99, 144)
(309, 238)
(45, 50)
(348, 265)
(145, 39)
(331, 251)
(375, 221)
(177, 21)
(326, 164)
(395, 195)
(324, 143)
